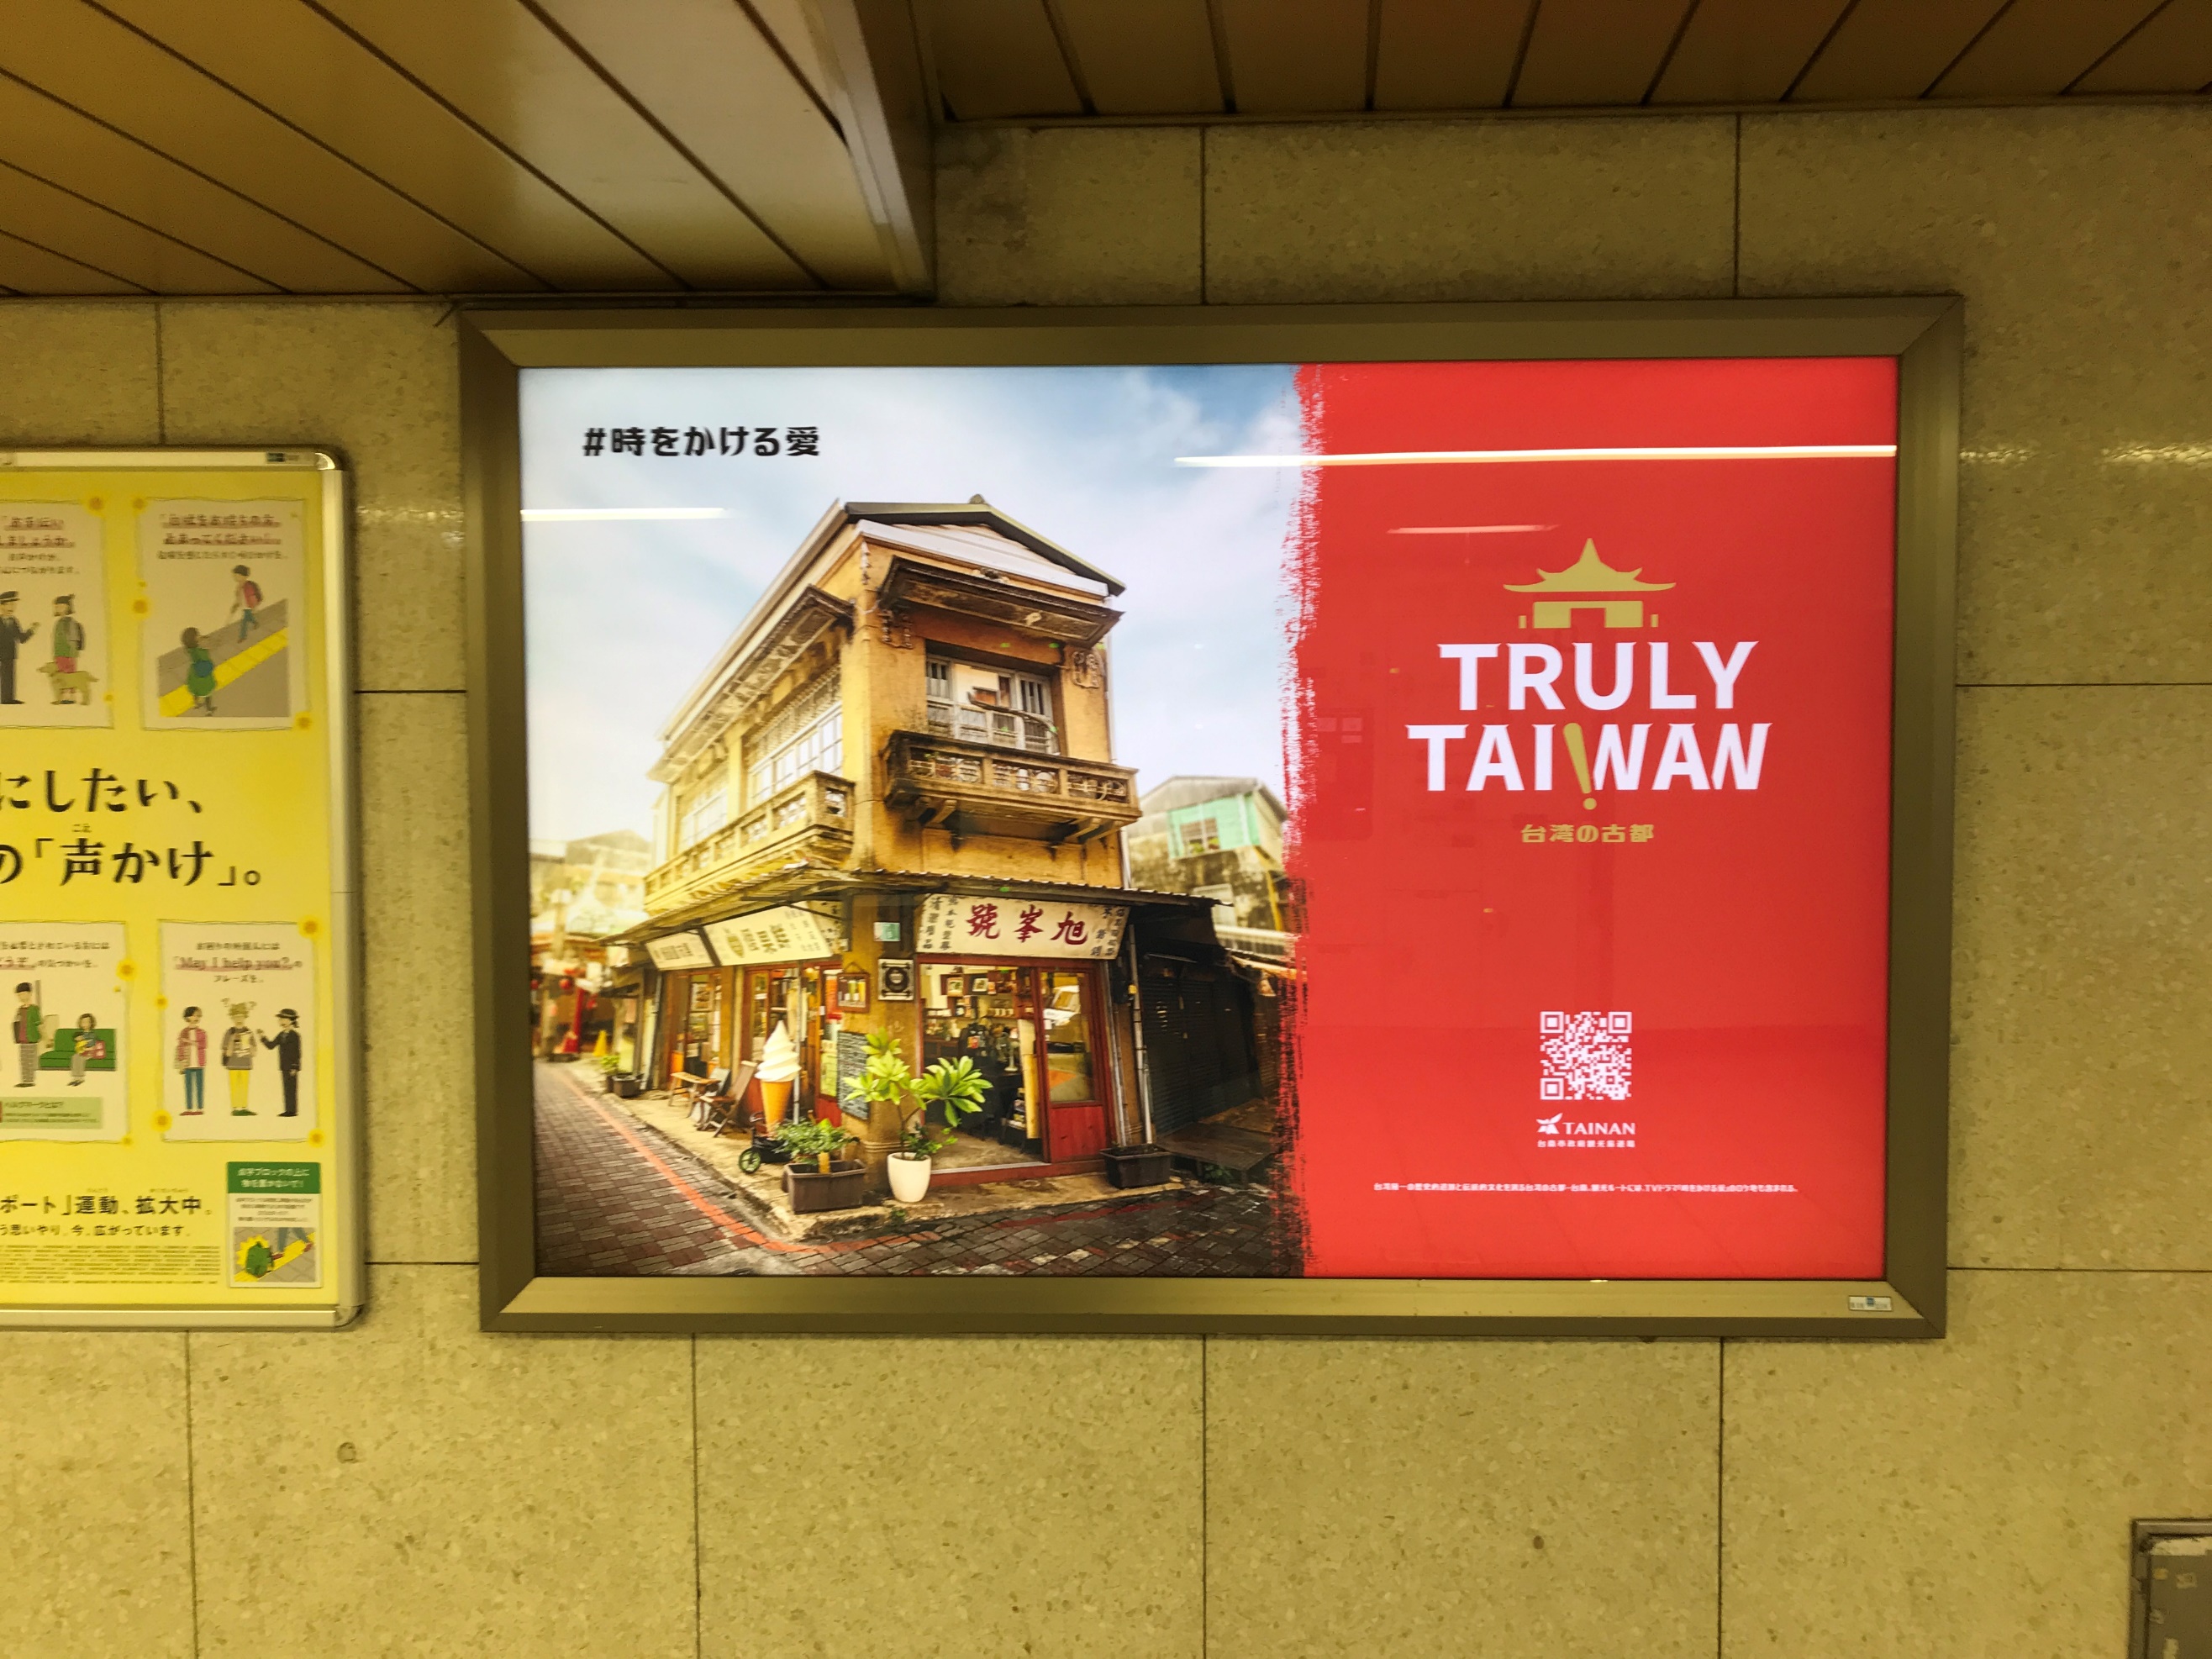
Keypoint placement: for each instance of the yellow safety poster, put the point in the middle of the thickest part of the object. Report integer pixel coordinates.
(177, 1142)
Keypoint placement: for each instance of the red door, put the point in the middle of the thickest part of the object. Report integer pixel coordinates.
(1070, 1072)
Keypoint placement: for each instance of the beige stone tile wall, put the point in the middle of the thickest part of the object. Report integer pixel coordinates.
(1009, 1495)
(1536, 210)
(2083, 242)
(1440, 1498)
(412, 1485)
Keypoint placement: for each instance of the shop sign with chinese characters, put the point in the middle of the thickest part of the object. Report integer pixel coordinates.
(176, 1142)
(785, 934)
(672, 952)
(962, 925)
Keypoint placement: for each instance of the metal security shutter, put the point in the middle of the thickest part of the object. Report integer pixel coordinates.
(1198, 1045)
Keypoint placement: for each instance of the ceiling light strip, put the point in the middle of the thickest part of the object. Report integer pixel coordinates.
(1497, 457)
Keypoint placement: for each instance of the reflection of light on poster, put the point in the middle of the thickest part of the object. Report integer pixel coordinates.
(65, 1080)
(239, 1031)
(53, 616)
(222, 591)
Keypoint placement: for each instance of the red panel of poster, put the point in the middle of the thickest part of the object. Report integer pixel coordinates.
(1589, 784)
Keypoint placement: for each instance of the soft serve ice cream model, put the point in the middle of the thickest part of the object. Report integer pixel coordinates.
(779, 1070)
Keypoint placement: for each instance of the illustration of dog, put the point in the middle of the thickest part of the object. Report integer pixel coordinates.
(72, 686)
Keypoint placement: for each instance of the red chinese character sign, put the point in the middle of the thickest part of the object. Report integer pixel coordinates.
(1594, 768)
(1031, 928)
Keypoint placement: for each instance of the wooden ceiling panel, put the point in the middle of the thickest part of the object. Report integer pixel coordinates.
(51, 141)
(1892, 49)
(297, 63)
(1144, 56)
(501, 67)
(26, 268)
(788, 24)
(1295, 56)
(999, 57)
(92, 235)
(1596, 51)
(1744, 52)
(118, 76)
(716, 85)
(2038, 48)
(1447, 54)
(2171, 52)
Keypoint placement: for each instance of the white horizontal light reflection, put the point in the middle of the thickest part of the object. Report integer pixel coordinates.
(616, 514)
(1468, 529)
(1497, 457)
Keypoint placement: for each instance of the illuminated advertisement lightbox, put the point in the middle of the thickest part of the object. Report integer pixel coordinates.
(1426, 819)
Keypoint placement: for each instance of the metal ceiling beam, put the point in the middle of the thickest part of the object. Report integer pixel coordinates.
(879, 94)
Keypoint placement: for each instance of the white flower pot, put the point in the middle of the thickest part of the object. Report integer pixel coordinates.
(910, 1178)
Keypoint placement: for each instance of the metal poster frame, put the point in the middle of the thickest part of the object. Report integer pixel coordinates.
(343, 1243)
(1923, 334)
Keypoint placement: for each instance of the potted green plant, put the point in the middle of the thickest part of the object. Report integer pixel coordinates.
(834, 1183)
(953, 1087)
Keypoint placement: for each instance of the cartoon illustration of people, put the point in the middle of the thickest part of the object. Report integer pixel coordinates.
(238, 1058)
(245, 599)
(199, 672)
(84, 1050)
(191, 1062)
(13, 635)
(286, 1042)
(28, 1029)
(69, 681)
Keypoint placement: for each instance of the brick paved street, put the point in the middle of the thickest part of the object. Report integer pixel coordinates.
(615, 1198)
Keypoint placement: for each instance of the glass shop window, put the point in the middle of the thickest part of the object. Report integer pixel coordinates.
(982, 705)
(698, 1023)
(1066, 1038)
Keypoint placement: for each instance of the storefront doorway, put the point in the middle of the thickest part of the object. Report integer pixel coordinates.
(692, 1026)
(791, 995)
(1032, 1032)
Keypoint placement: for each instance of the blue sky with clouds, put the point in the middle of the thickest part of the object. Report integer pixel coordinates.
(623, 617)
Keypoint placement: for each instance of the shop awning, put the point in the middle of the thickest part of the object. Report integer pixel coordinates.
(804, 885)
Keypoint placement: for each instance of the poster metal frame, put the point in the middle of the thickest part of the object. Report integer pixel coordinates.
(1924, 334)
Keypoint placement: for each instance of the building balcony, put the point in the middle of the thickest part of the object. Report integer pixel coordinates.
(808, 821)
(980, 789)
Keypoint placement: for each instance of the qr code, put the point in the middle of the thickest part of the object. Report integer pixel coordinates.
(1586, 1056)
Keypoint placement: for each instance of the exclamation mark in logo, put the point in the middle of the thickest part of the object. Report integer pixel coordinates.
(1580, 757)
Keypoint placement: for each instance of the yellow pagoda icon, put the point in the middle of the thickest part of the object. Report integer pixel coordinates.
(1588, 574)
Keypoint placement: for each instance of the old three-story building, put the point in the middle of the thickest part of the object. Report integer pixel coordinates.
(891, 803)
